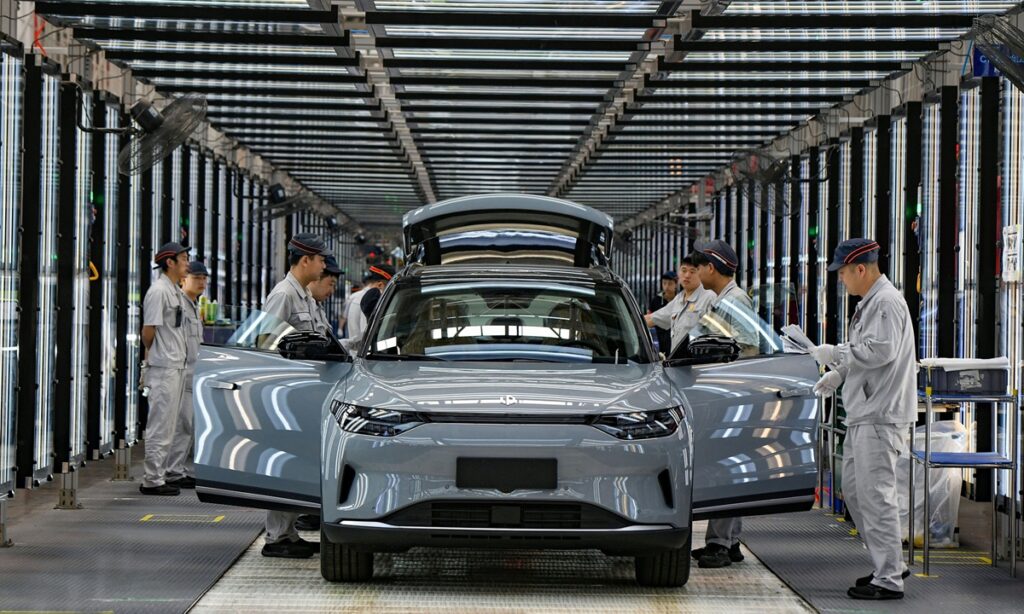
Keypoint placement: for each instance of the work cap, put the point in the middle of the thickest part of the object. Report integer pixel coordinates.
(670, 275)
(308, 244)
(720, 254)
(854, 251)
(380, 271)
(197, 268)
(168, 250)
(332, 267)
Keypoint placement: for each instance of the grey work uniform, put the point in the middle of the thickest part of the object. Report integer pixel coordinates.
(879, 369)
(355, 320)
(320, 321)
(726, 531)
(180, 463)
(683, 313)
(289, 302)
(164, 308)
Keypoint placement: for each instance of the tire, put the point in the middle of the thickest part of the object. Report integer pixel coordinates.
(665, 569)
(340, 563)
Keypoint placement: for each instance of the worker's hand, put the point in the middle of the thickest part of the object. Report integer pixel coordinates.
(828, 384)
(826, 354)
(143, 370)
(649, 321)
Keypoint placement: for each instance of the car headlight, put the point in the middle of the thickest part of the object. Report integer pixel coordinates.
(641, 424)
(371, 421)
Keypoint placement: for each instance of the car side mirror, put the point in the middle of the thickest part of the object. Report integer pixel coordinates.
(706, 349)
(308, 345)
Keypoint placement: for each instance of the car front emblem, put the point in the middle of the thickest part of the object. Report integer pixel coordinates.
(508, 400)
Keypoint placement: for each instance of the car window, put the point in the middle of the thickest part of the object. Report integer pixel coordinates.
(510, 320)
(259, 331)
(733, 318)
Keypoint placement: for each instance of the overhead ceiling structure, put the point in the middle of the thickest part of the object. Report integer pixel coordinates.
(380, 106)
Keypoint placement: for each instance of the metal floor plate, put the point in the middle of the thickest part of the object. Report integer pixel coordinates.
(492, 581)
(814, 553)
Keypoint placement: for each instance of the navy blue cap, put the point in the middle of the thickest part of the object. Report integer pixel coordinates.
(308, 244)
(332, 267)
(854, 251)
(168, 250)
(720, 254)
(197, 268)
(670, 275)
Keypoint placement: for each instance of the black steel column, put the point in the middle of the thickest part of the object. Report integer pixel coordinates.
(832, 221)
(258, 250)
(989, 237)
(169, 231)
(763, 255)
(795, 215)
(855, 229)
(912, 191)
(98, 369)
(122, 387)
(215, 266)
(778, 292)
(949, 220)
(63, 397)
(748, 273)
(229, 242)
(883, 177)
(28, 323)
(814, 232)
(183, 225)
(199, 225)
(148, 251)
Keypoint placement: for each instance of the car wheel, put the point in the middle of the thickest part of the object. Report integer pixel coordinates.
(341, 563)
(665, 569)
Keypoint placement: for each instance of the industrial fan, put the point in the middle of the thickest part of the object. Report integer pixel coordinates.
(753, 169)
(1003, 45)
(159, 132)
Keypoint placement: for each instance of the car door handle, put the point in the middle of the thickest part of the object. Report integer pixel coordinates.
(794, 392)
(223, 385)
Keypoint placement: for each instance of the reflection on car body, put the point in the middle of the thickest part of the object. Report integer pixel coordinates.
(514, 402)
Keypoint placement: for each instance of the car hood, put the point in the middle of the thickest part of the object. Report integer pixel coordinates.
(466, 388)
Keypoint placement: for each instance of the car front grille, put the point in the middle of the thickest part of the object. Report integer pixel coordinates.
(512, 515)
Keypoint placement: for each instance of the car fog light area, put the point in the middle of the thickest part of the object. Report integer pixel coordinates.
(371, 421)
(641, 424)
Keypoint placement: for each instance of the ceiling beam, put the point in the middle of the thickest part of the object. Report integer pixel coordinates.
(138, 10)
(831, 20)
(609, 19)
(836, 44)
(531, 44)
(263, 39)
(210, 57)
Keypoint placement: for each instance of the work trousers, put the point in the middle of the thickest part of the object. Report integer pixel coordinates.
(179, 461)
(166, 387)
(869, 490)
(281, 527)
(724, 531)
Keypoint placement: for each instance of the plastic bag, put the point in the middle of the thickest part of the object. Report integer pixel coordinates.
(947, 436)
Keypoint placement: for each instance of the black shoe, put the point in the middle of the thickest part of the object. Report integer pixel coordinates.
(185, 482)
(166, 490)
(868, 578)
(873, 593)
(714, 556)
(300, 549)
(307, 522)
(735, 555)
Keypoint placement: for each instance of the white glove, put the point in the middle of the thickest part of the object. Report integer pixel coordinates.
(826, 354)
(143, 370)
(828, 384)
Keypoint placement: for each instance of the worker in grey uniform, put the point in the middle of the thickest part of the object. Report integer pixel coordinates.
(164, 338)
(378, 277)
(877, 368)
(716, 264)
(180, 468)
(323, 289)
(290, 301)
(683, 313)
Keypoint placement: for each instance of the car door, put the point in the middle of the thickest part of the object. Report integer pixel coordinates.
(755, 423)
(257, 425)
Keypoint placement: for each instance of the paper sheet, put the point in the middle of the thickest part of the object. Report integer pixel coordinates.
(795, 334)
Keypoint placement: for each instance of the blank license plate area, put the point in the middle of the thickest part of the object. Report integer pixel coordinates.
(507, 474)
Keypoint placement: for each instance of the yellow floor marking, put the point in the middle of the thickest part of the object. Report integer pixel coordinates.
(927, 576)
(200, 518)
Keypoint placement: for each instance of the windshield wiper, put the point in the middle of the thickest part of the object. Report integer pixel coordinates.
(421, 357)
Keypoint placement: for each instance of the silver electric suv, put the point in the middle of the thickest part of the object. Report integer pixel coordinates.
(507, 395)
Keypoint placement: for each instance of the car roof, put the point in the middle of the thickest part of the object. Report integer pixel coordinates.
(447, 273)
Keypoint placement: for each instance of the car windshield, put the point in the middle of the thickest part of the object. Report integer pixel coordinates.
(506, 320)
